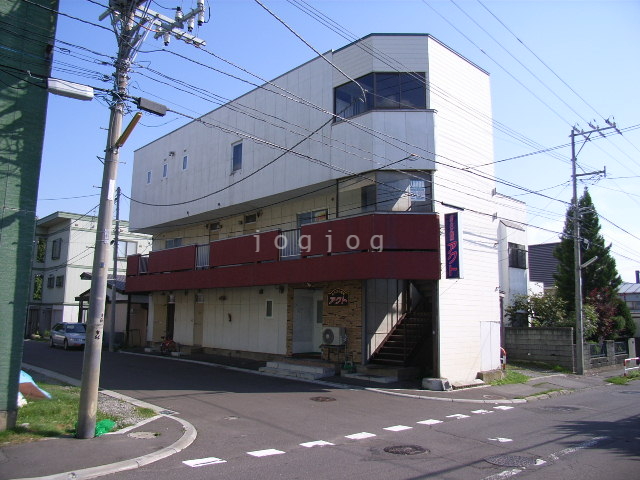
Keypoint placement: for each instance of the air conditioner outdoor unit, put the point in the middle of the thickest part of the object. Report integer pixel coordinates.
(333, 335)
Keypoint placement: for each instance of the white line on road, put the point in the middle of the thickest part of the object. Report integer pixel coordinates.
(203, 462)
(265, 453)
(500, 439)
(360, 436)
(503, 407)
(397, 428)
(481, 412)
(431, 421)
(317, 443)
(458, 416)
(552, 457)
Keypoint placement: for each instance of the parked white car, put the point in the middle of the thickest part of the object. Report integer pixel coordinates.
(68, 335)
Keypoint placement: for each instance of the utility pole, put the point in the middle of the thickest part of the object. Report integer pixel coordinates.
(131, 32)
(576, 235)
(114, 290)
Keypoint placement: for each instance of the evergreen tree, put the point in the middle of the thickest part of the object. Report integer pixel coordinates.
(602, 274)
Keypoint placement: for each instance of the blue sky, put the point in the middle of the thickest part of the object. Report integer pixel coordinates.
(591, 70)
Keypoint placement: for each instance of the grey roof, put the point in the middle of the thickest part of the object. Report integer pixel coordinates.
(628, 288)
(121, 281)
(542, 263)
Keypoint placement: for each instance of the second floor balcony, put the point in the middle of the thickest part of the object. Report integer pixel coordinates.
(378, 245)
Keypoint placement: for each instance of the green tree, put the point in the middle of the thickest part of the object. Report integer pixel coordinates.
(600, 279)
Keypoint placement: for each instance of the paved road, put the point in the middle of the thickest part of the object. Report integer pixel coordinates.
(251, 426)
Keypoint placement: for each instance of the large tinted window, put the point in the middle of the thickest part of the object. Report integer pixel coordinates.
(391, 90)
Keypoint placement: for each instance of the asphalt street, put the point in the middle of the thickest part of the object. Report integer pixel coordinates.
(253, 426)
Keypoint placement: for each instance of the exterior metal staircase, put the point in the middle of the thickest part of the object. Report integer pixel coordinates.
(408, 335)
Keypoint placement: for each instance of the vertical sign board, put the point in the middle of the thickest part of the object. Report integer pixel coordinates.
(453, 245)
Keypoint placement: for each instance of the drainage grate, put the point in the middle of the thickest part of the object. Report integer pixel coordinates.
(630, 392)
(167, 412)
(511, 461)
(406, 450)
(323, 399)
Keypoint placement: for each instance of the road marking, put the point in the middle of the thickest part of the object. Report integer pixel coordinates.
(481, 412)
(553, 457)
(431, 421)
(360, 436)
(458, 416)
(397, 428)
(265, 453)
(500, 439)
(503, 407)
(317, 443)
(203, 462)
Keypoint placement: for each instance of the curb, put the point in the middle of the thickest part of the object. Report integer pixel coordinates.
(188, 437)
(331, 384)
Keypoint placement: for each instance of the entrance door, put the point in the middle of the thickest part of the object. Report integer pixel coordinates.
(307, 320)
(198, 314)
(171, 316)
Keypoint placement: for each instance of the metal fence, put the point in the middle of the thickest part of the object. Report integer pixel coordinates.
(597, 350)
(621, 348)
(202, 256)
(289, 244)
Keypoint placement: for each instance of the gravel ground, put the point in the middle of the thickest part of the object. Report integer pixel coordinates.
(126, 413)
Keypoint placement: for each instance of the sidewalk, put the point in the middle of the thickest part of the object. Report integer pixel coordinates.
(132, 447)
(165, 434)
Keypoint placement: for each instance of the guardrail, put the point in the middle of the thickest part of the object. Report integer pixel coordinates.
(627, 361)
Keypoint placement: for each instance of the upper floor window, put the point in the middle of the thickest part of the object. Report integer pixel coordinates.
(173, 242)
(60, 281)
(393, 90)
(165, 170)
(236, 160)
(50, 281)
(185, 162)
(517, 255)
(251, 218)
(41, 250)
(127, 248)
(312, 217)
(148, 177)
(56, 247)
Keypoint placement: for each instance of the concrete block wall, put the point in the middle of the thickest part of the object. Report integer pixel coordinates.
(553, 346)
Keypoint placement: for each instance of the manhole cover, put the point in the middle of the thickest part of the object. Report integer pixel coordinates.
(511, 460)
(405, 449)
(559, 409)
(323, 399)
(144, 435)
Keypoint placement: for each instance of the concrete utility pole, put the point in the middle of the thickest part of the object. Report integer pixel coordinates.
(131, 32)
(576, 236)
(114, 289)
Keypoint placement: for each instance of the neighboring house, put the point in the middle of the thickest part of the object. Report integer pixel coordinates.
(281, 230)
(630, 293)
(543, 264)
(131, 312)
(63, 249)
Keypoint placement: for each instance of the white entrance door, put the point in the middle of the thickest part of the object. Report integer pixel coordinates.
(307, 320)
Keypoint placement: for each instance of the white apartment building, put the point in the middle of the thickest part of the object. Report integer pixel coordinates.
(346, 209)
(63, 250)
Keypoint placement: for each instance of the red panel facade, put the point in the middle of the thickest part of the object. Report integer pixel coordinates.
(172, 260)
(260, 247)
(133, 264)
(403, 246)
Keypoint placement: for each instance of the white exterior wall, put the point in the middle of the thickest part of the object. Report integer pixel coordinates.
(78, 237)
(234, 319)
(338, 150)
(467, 306)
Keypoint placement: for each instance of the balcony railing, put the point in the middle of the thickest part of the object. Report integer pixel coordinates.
(403, 245)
